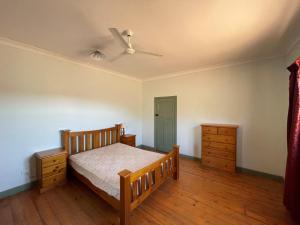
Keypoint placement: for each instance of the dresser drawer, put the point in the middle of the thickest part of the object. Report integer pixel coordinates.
(219, 138)
(222, 164)
(218, 153)
(55, 169)
(220, 146)
(52, 180)
(131, 143)
(227, 131)
(53, 160)
(209, 130)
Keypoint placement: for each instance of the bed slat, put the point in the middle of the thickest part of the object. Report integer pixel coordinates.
(102, 138)
(87, 142)
(96, 140)
(157, 175)
(143, 184)
(108, 137)
(135, 189)
(113, 138)
(166, 168)
(80, 140)
(73, 145)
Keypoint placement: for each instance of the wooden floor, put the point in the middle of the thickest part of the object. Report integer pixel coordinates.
(201, 196)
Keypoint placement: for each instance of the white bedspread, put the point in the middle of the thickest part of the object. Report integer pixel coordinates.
(101, 166)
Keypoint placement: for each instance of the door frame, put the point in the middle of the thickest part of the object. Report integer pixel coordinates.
(175, 133)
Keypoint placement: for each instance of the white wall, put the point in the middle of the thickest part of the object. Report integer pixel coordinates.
(253, 95)
(40, 95)
(294, 53)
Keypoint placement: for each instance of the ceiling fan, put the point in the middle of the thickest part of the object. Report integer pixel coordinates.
(127, 45)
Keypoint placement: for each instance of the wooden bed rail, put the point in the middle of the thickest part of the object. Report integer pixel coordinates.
(136, 187)
(80, 141)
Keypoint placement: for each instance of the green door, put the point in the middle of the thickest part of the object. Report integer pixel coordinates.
(165, 116)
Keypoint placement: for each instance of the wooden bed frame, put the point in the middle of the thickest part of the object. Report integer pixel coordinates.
(136, 186)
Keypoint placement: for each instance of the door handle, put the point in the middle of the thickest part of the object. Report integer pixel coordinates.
(156, 114)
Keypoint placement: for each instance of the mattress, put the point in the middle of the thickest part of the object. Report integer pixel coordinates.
(101, 166)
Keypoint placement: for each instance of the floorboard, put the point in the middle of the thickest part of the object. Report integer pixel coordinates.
(201, 196)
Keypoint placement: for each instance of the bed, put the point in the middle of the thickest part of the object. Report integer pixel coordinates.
(122, 175)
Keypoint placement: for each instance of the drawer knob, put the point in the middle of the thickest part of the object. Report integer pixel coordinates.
(54, 179)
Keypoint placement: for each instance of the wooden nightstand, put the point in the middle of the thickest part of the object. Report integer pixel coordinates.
(51, 168)
(128, 139)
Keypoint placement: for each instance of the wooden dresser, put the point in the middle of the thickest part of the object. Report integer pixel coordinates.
(51, 168)
(128, 139)
(219, 146)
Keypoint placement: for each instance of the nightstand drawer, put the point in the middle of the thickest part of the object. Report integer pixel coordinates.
(128, 139)
(131, 143)
(52, 180)
(53, 170)
(53, 160)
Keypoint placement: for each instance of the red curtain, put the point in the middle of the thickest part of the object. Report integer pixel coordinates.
(292, 175)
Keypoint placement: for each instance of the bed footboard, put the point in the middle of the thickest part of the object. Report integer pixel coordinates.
(136, 187)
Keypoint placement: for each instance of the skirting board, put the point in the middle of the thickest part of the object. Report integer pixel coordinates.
(144, 147)
(16, 190)
(238, 169)
(261, 174)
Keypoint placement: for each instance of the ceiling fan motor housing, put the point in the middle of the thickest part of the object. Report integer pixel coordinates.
(128, 33)
(130, 51)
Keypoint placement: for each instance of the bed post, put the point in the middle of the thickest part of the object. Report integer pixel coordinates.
(176, 150)
(125, 197)
(66, 136)
(118, 127)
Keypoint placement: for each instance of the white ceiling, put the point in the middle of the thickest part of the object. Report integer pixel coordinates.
(191, 34)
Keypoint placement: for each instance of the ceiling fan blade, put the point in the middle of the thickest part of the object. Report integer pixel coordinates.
(147, 53)
(118, 56)
(119, 37)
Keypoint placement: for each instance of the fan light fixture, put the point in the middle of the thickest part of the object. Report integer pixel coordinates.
(97, 55)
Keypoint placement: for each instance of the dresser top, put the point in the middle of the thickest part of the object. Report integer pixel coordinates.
(219, 125)
(128, 135)
(50, 152)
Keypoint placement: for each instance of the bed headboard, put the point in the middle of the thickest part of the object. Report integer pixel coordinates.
(79, 141)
